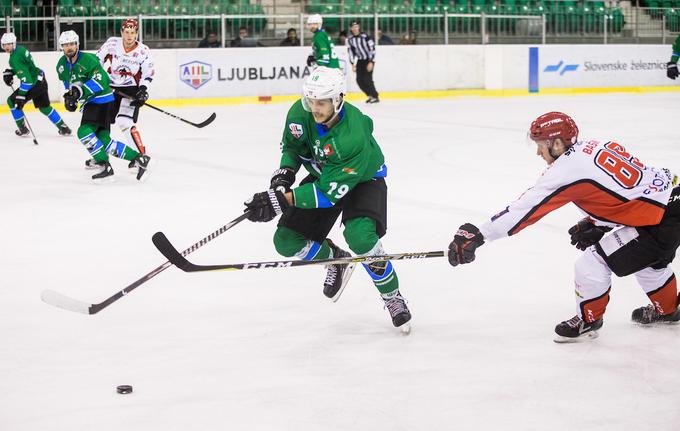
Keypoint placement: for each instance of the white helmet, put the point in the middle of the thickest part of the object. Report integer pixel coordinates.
(8, 38)
(68, 36)
(315, 19)
(324, 83)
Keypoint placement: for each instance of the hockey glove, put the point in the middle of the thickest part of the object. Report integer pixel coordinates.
(140, 96)
(264, 206)
(311, 60)
(8, 77)
(465, 242)
(19, 102)
(672, 70)
(71, 99)
(282, 179)
(585, 233)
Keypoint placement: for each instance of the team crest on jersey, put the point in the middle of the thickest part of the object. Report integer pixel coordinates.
(328, 150)
(61, 69)
(296, 130)
(195, 74)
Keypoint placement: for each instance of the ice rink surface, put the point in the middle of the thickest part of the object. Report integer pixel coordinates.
(265, 350)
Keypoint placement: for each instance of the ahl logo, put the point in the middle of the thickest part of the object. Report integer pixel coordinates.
(296, 130)
(558, 66)
(195, 74)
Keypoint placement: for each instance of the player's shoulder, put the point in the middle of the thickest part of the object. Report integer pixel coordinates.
(356, 117)
(296, 110)
(297, 121)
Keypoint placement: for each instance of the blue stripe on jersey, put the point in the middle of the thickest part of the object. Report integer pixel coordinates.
(388, 271)
(94, 86)
(118, 150)
(382, 172)
(106, 98)
(323, 130)
(25, 86)
(321, 199)
(65, 85)
(313, 251)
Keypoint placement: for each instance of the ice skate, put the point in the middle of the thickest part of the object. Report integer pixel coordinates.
(105, 175)
(91, 164)
(337, 276)
(142, 162)
(576, 329)
(64, 130)
(399, 312)
(373, 100)
(22, 131)
(649, 315)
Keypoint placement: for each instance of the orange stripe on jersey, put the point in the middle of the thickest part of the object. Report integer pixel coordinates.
(599, 202)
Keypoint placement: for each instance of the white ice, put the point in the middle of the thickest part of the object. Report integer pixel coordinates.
(265, 350)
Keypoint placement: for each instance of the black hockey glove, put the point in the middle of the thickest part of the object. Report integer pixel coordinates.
(19, 102)
(264, 206)
(282, 179)
(585, 233)
(71, 99)
(140, 96)
(465, 242)
(311, 60)
(672, 70)
(8, 77)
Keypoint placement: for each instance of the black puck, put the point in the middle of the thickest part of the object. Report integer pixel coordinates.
(124, 389)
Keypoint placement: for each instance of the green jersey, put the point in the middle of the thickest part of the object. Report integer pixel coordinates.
(676, 50)
(339, 158)
(88, 75)
(21, 63)
(323, 50)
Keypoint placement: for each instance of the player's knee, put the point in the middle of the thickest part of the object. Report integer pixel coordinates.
(124, 122)
(288, 242)
(590, 267)
(84, 130)
(10, 102)
(360, 234)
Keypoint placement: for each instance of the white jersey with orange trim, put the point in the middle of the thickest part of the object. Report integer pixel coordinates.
(602, 179)
(126, 68)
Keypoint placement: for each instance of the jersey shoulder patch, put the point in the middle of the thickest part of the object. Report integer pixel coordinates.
(296, 130)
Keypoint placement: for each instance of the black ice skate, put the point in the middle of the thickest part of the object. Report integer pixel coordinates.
(576, 329)
(106, 173)
(22, 131)
(64, 130)
(91, 164)
(648, 314)
(142, 162)
(373, 100)
(337, 276)
(399, 312)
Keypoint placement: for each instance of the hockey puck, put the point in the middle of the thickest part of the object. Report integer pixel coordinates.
(124, 389)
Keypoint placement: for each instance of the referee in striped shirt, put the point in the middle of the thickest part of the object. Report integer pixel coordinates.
(362, 57)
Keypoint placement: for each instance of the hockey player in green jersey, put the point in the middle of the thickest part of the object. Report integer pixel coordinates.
(32, 86)
(323, 53)
(86, 82)
(672, 66)
(334, 141)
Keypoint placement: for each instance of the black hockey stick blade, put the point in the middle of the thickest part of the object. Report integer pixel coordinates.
(170, 252)
(175, 257)
(207, 121)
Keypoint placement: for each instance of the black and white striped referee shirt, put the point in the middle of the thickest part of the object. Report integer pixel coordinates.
(361, 47)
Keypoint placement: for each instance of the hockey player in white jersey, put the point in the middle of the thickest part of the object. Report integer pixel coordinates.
(617, 192)
(131, 70)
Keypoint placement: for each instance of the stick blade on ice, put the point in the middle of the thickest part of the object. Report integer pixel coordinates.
(58, 300)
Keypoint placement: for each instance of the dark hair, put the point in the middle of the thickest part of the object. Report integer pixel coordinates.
(243, 27)
(211, 31)
(342, 33)
(291, 29)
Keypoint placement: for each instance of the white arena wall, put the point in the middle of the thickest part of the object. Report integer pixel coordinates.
(230, 72)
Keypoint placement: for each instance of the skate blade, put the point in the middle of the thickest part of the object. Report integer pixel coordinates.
(105, 180)
(585, 337)
(346, 277)
(145, 177)
(405, 329)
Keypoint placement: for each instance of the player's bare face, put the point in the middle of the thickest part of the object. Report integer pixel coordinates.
(70, 49)
(322, 110)
(312, 27)
(129, 36)
(8, 47)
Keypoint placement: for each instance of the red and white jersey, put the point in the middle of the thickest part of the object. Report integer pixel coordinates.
(126, 68)
(604, 180)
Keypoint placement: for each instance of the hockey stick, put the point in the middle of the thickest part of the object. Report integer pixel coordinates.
(170, 252)
(67, 303)
(30, 129)
(209, 120)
